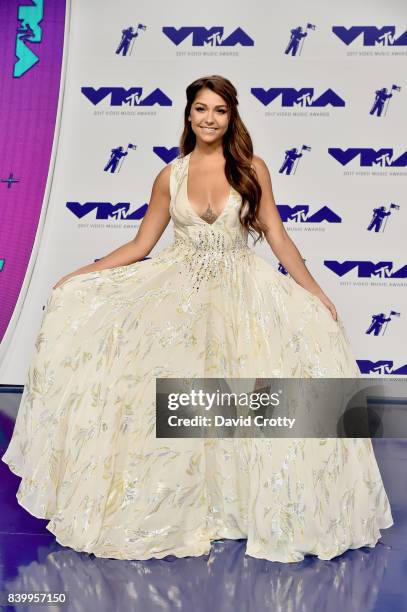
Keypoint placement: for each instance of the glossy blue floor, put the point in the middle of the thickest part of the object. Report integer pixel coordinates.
(368, 580)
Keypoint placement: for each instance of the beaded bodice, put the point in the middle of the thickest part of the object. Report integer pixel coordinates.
(187, 223)
(208, 246)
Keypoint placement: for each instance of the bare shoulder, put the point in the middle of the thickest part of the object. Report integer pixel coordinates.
(164, 175)
(261, 168)
(162, 180)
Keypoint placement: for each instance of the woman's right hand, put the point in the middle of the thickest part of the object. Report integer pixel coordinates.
(63, 279)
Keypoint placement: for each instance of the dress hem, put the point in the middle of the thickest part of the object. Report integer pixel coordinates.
(204, 548)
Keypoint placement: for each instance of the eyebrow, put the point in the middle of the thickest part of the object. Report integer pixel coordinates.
(217, 106)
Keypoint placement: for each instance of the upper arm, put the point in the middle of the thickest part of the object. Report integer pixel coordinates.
(157, 216)
(268, 212)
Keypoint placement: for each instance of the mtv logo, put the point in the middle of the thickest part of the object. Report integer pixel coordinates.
(368, 157)
(371, 35)
(119, 96)
(203, 37)
(366, 269)
(106, 210)
(300, 214)
(380, 367)
(297, 97)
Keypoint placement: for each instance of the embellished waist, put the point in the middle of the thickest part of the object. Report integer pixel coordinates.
(207, 254)
(211, 241)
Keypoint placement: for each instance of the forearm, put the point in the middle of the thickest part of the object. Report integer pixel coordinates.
(122, 256)
(290, 257)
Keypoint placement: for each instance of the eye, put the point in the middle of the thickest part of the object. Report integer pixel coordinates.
(220, 110)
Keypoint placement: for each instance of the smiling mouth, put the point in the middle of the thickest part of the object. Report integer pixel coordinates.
(208, 129)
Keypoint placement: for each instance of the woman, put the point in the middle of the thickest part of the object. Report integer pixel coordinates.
(206, 306)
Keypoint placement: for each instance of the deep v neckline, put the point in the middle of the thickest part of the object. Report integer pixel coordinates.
(188, 157)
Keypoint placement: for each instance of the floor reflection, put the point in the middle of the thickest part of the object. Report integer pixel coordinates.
(227, 580)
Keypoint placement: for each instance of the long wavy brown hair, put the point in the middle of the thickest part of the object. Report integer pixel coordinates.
(237, 150)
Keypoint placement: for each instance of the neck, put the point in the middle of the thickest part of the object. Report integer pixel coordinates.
(208, 150)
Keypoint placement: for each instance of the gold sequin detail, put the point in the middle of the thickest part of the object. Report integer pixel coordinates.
(209, 253)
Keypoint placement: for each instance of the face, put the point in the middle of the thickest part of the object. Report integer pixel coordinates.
(209, 116)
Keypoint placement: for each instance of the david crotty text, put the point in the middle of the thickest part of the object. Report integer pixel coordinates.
(221, 421)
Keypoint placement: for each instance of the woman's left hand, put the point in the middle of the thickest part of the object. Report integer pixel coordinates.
(327, 302)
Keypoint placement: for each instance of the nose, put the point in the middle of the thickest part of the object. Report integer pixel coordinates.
(209, 118)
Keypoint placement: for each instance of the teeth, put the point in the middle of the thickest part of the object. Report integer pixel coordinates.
(209, 129)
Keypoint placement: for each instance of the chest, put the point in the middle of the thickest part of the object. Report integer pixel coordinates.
(207, 186)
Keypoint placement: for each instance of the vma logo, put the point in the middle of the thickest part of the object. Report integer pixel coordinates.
(208, 37)
(28, 30)
(366, 269)
(119, 96)
(297, 97)
(380, 367)
(166, 154)
(106, 210)
(300, 214)
(368, 157)
(371, 36)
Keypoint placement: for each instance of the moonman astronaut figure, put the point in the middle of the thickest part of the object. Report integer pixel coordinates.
(377, 323)
(290, 156)
(378, 216)
(127, 36)
(296, 35)
(380, 99)
(115, 157)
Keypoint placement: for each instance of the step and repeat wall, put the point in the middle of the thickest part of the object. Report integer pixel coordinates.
(322, 90)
